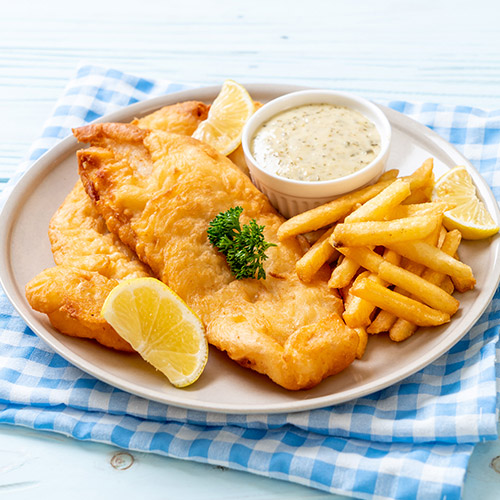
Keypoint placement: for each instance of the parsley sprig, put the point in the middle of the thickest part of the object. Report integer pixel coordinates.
(244, 247)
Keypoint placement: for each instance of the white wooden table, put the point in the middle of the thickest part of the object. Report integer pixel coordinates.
(433, 50)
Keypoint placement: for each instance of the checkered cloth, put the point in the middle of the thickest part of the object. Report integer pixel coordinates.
(412, 440)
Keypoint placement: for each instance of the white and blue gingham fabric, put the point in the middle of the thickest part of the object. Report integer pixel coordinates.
(412, 440)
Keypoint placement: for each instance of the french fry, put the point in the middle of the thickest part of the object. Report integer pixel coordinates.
(404, 328)
(353, 307)
(383, 232)
(391, 257)
(400, 305)
(315, 257)
(447, 285)
(344, 292)
(448, 242)
(378, 206)
(363, 256)
(427, 209)
(420, 195)
(330, 212)
(449, 246)
(436, 259)
(358, 311)
(363, 340)
(427, 292)
(462, 284)
(389, 175)
(434, 236)
(382, 322)
(413, 267)
(420, 257)
(384, 319)
(343, 273)
(401, 330)
(423, 177)
(441, 237)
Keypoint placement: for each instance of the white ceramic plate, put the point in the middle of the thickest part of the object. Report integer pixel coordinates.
(225, 386)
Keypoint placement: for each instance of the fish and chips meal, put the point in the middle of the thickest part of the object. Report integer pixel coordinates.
(167, 198)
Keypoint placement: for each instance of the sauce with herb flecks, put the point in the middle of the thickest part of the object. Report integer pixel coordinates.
(316, 142)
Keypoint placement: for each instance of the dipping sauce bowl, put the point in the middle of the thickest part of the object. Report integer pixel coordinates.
(289, 195)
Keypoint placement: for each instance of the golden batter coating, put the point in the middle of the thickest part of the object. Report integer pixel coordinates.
(89, 258)
(89, 261)
(182, 118)
(158, 191)
(72, 298)
(79, 238)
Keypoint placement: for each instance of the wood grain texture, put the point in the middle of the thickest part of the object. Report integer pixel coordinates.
(433, 50)
(441, 51)
(45, 465)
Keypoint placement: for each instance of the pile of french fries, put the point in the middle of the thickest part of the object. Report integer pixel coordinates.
(392, 261)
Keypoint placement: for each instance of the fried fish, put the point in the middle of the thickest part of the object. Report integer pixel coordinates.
(157, 192)
(182, 118)
(90, 260)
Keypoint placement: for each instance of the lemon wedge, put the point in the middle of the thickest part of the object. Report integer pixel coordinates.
(160, 327)
(468, 215)
(227, 116)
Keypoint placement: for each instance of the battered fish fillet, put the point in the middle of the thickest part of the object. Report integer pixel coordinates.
(158, 192)
(182, 118)
(89, 258)
(72, 298)
(89, 261)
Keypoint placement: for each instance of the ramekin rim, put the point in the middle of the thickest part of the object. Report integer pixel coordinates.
(245, 140)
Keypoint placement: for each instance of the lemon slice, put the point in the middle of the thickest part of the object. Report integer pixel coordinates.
(160, 327)
(227, 116)
(468, 215)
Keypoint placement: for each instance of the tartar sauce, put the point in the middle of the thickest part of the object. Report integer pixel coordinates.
(316, 142)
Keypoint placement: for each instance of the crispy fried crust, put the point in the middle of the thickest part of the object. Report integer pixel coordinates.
(89, 261)
(182, 118)
(158, 197)
(89, 258)
(79, 238)
(72, 299)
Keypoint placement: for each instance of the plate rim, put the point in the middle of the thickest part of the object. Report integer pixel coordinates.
(50, 159)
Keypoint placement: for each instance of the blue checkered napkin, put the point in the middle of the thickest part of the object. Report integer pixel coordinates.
(411, 440)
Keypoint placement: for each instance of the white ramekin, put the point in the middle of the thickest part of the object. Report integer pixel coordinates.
(291, 197)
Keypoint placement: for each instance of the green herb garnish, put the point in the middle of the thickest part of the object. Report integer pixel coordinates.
(244, 247)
